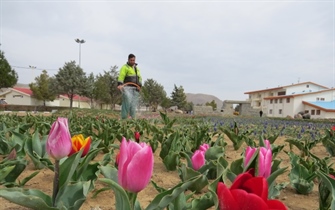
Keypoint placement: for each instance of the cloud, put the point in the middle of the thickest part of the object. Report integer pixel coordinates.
(223, 48)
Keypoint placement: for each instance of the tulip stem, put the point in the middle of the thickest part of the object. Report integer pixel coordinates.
(56, 183)
(132, 199)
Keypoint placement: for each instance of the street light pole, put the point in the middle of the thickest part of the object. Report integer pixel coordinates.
(80, 41)
(32, 69)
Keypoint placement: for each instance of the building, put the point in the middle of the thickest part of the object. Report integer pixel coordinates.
(24, 96)
(307, 97)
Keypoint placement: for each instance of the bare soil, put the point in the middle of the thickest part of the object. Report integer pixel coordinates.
(168, 179)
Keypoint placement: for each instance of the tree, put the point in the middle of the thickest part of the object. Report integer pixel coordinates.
(89, 91)
(9, 76)
(178, 97)
(70, 80)
(189, 106)
(105, 87)
(153, 93)
(42, 89)
(212, 104)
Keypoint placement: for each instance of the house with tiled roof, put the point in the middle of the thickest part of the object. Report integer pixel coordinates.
(24, 96)
(307, 97)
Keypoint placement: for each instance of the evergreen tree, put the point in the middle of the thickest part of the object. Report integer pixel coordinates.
(153, 93)
(70, 80)
(106, 87)
(8, 76)
(42, 89)
(212, 104)
(178, 97)
(89, 91)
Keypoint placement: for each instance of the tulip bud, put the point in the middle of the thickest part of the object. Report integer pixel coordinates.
(264, 162)
(137, 136)
(117, 159)
(59, 143)
(78, 143)
(204, 147)
(135, 165)
(249, 152)
(198, 159)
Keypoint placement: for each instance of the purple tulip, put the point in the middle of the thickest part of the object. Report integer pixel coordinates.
(249, 152)
(59, 144)
(198, 159)
(135, 165)
(264, 162)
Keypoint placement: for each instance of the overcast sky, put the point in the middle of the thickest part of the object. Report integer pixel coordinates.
(222, 48)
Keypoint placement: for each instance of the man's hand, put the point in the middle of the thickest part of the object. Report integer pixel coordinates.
(120, 87)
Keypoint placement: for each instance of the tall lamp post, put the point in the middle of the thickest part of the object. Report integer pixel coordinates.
(80, 41)
(32, 69)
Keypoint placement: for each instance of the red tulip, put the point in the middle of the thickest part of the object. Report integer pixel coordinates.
(246, 192)
(137, 137)
(333, 127)
(117, 159)
(78, 143)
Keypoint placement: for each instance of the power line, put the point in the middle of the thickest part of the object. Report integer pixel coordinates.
(41, 69)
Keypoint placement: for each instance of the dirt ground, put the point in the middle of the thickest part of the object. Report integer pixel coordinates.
(168, 179)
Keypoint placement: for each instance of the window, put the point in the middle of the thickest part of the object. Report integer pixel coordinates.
(318, 112)
(271, 101)
(280, 111)
(276, 101)
(282, 93)
(317, 98)
(270, 111)
(307, 86)
(271, 94)
(17, 96)
(280, 100)
(322, 99)
(306, 111)
(313, 112)
(288, 100)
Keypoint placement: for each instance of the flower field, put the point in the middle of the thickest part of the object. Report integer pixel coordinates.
(172, 162)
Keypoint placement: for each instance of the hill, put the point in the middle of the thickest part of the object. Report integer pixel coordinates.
(199, 98)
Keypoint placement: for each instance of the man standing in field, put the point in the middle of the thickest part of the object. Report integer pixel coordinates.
(129, 83)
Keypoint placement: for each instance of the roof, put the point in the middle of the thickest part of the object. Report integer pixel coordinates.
(286, 86)
(26, 91)
(298, 94)
(328, 106)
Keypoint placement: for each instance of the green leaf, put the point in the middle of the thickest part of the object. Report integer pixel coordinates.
(121, 197)
(204, 202)
(68, 168)
(109, 172)
(78, 192)
(33, 199)
(5, 171)
(187, 173)
(162, 200)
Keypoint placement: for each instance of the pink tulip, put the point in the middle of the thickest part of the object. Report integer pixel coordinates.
(198, 159)
(249, 152)
(267, 144)
(264, 162)
(135, 164)
(59, 144)
(204, 147)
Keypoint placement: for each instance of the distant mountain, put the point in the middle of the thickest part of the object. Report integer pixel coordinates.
(199, 98)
